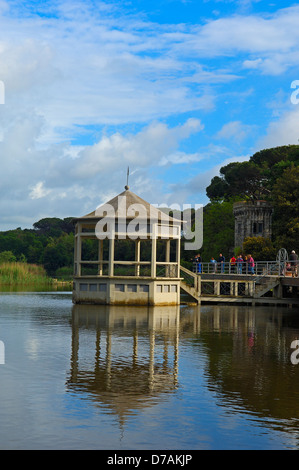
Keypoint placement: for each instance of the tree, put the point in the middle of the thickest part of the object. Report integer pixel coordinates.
(260, 248)
(218, 230)
(255, 178)
(217, 189)
(53, 226)
(270, 174)
(243, 180)
(58, 253)
(7, 257)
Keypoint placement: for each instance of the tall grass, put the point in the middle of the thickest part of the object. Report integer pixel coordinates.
(22, 273)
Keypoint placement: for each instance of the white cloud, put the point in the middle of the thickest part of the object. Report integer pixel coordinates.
(155, 144)
(253, 34)
(62, 180)
(234, 130)
(39, 191)
(64, 66)
(194, 189)
(84, 67)
(253, 64)
(179, 158)
(282, 131)
(93, 70)
(270, 42)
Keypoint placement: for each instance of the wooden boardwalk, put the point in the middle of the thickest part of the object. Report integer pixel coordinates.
(240, 288)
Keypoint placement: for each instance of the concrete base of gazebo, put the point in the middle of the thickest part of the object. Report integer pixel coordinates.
(126, 290)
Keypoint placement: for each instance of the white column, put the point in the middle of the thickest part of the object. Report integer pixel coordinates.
(168, 271)
(79, 250)
(137, 257)
(178, 256)
(111, 256)
(101, 257)
(154, 251)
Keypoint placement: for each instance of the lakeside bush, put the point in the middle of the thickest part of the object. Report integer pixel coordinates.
(64, 274)
(22, 273)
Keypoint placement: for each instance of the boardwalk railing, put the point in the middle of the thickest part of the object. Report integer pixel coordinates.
(190, 278)
(191, 282)
(261, 268)
(224, 282)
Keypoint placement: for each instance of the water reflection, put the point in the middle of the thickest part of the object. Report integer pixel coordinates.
(234, 363)
(248, 365)
(135, 358)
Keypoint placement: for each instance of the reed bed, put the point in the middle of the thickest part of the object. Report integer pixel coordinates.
(13, 273)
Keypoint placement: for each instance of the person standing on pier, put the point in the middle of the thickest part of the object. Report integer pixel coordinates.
(232, 264)
(214, 265)
(251, 264)
(197, 263)
(240, 262)
(294, 263)
(221, 260)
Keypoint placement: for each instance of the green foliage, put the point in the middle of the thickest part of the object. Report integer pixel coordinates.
(285, 197)
(255, 178)
(65, 273)
(22, 258)
(58, 253)
(238, 179)
(7, 257)
(24, 243)
(12, 273)
(271, 174)
(217, 189)
(260, 248)
(54, 227)
(49, 244)
(218, 230)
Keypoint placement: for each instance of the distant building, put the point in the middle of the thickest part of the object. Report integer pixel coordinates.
(252, 219)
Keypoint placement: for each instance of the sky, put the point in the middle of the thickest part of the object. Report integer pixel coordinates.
(172, 89)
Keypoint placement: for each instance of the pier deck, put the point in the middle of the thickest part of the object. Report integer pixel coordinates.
(240, 288)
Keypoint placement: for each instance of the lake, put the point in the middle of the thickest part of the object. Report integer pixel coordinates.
(189, 378)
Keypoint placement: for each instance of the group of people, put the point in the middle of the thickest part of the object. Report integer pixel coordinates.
(241, 264)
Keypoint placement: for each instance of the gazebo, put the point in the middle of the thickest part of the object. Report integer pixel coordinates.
(127, 252)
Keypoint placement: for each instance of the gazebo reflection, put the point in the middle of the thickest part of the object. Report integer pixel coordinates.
(124, 357)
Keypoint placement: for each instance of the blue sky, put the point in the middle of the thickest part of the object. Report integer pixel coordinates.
(174, 89)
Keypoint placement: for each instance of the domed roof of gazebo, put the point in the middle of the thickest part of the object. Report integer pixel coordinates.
(126, 200)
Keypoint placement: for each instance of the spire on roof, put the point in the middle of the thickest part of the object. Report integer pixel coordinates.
(127, 185)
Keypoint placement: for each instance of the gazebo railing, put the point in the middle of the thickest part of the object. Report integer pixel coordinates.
(128, 268)
(167, 269)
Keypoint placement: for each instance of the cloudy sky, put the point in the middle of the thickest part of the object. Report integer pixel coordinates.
(174, 89)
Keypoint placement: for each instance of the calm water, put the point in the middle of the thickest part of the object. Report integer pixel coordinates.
(209, 377)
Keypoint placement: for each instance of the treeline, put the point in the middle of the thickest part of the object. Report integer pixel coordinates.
(50, 244)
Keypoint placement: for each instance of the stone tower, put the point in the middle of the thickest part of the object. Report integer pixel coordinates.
(252, 219)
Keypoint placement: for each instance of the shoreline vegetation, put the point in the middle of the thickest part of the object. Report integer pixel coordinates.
(17, 273)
